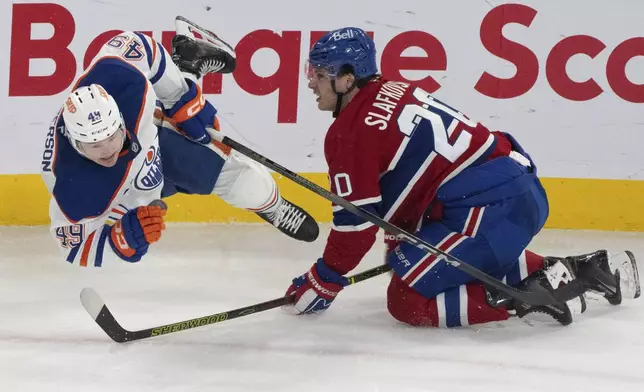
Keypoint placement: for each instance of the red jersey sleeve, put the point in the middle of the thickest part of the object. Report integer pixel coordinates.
(352, 153)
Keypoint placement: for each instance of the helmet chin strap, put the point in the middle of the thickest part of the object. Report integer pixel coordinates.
(338, 103)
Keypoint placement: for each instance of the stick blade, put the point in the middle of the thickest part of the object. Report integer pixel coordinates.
(95, 306)
(92, 302)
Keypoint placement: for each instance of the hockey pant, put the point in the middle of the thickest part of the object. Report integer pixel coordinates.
(192, 168)
(426, 291)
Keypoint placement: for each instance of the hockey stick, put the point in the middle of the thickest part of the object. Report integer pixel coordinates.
(532, 298)
(95, 306)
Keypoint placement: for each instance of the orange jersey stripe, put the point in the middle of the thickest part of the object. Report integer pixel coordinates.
(154, 51)
(86, 248)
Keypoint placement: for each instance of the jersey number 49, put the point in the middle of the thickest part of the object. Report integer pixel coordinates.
(70, 236)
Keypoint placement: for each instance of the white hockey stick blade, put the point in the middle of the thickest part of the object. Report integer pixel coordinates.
(92, 302)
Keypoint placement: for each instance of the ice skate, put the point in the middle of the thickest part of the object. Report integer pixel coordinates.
(198, 51)
(292, 221)
(557, 276)
(614, 276)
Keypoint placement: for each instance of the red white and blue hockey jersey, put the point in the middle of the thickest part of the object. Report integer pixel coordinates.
(384, 157)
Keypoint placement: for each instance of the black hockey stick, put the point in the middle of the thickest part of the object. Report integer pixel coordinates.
(532, 298)
(96, 308)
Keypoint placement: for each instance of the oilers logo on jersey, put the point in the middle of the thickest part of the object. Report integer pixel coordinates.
(150, 175)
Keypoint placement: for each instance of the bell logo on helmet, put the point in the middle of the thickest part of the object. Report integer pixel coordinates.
(350, 46)
(151, 174)
(339, 36)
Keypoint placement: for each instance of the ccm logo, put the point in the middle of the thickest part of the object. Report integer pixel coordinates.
(120, 237)
(197, 106)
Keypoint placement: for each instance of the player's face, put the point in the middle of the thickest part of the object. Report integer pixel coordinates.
(320, 83)
(106, 152)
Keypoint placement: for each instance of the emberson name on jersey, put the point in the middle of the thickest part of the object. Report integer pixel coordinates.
(50, 144)
(385, 103)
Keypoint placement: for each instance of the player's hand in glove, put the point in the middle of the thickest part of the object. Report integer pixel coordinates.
(315, 290)
(193, 114)
(136, 230)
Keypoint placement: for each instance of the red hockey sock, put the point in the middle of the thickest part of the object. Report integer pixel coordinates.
(458, 306)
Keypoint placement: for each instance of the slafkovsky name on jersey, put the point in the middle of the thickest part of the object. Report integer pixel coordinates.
(385, 103)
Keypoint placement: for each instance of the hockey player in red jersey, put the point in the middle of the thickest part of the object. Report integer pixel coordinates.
(400, 153)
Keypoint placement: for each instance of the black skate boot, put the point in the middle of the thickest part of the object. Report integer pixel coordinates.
(559, 276)
(614, 276)
(292, 221)
(198, 51)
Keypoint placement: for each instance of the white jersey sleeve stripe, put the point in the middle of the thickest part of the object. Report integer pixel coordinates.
(361, 202)
(345, 229)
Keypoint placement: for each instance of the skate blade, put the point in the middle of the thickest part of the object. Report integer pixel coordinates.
(636, 274)
(190, 29)
(626, 264)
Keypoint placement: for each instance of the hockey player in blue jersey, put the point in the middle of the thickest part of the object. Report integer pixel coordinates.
(136, 128)
(400, 153)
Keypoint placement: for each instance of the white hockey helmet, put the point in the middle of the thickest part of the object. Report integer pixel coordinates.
(91, 115)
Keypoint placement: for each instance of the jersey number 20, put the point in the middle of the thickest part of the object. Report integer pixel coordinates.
(428, 109)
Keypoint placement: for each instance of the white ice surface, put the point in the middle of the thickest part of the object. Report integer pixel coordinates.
(49, 343)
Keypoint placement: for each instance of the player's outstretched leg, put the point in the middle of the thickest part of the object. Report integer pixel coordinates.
(241, 182)
(615, 276)
(246, 184)
(192, 168)
(558, 276)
